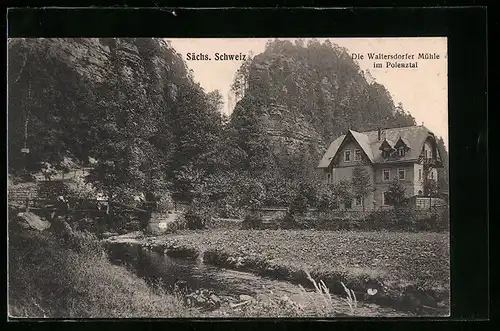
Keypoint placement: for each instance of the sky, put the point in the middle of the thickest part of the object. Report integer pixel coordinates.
(423, 91)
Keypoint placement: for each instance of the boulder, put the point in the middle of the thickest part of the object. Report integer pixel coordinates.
(32, 221)
(244, 297)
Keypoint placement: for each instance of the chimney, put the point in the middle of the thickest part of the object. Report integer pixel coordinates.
(379, 134)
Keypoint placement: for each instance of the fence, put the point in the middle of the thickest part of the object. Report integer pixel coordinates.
(280, 212)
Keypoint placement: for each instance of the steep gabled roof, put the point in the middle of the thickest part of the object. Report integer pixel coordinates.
(364, 143)
(330, 152)
(386, 145)
(403, 141)
(413, 136)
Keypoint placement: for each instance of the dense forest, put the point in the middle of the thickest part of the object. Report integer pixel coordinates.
(133, 105)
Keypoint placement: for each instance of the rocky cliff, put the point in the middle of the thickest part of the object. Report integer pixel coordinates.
(306, 95)
(56, 85)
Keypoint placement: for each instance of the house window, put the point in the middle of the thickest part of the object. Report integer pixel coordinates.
(347, 156)
(328, 178)
(401, 173)
(357, 155)
(419, 174)
(348, 205)
(420, 203)
(358, 201)
(384, 199)
(386, 175)
(432, 174)
(420, 192)
(401, 151)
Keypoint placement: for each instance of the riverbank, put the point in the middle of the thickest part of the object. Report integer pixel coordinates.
(222, 292)
(47, 279)
(55, 277)
(409, 271)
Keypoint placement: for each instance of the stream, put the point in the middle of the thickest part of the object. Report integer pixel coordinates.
(191, 276)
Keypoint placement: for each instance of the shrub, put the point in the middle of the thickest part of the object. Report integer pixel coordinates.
(408, 219)
(289, 221)
(52, 189)
(164, 203)
(426, 224)
(381, 219)
(49, 280)
(251, 222)
(180, 223)
(443, 219)
(299, 205)
(84, 243)
(197, 217)
(225, 210)
(221, 223)
(89, 224)
(132, 222)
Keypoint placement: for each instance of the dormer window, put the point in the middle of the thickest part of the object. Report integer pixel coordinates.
(402, 145)
(386, 149)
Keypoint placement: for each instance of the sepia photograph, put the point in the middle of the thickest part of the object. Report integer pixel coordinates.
(228, 177)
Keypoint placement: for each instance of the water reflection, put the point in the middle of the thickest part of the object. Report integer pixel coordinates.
(154, 267)
(194, 275)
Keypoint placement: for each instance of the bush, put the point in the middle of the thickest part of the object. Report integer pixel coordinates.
(290, 222)
(54, 281)
(251, 222)
(443, 220)
(132, 223)
(84, 224)
(225, 210)
(381, 219)
(84, 243)
(221, 223)
(408, 219)
(179, 223)
(52, 189)
(197, 217)
(426, 224)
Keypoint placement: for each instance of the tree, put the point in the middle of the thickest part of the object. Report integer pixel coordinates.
(431, 188)
(250, 136)
(305, 197)
(361, 183)
(241, 78)
(215, 100)
(316, 90)
(49, 106)
(442, 173)
(327, 199)
(396, 194)
(343, 190)
(121, 137)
